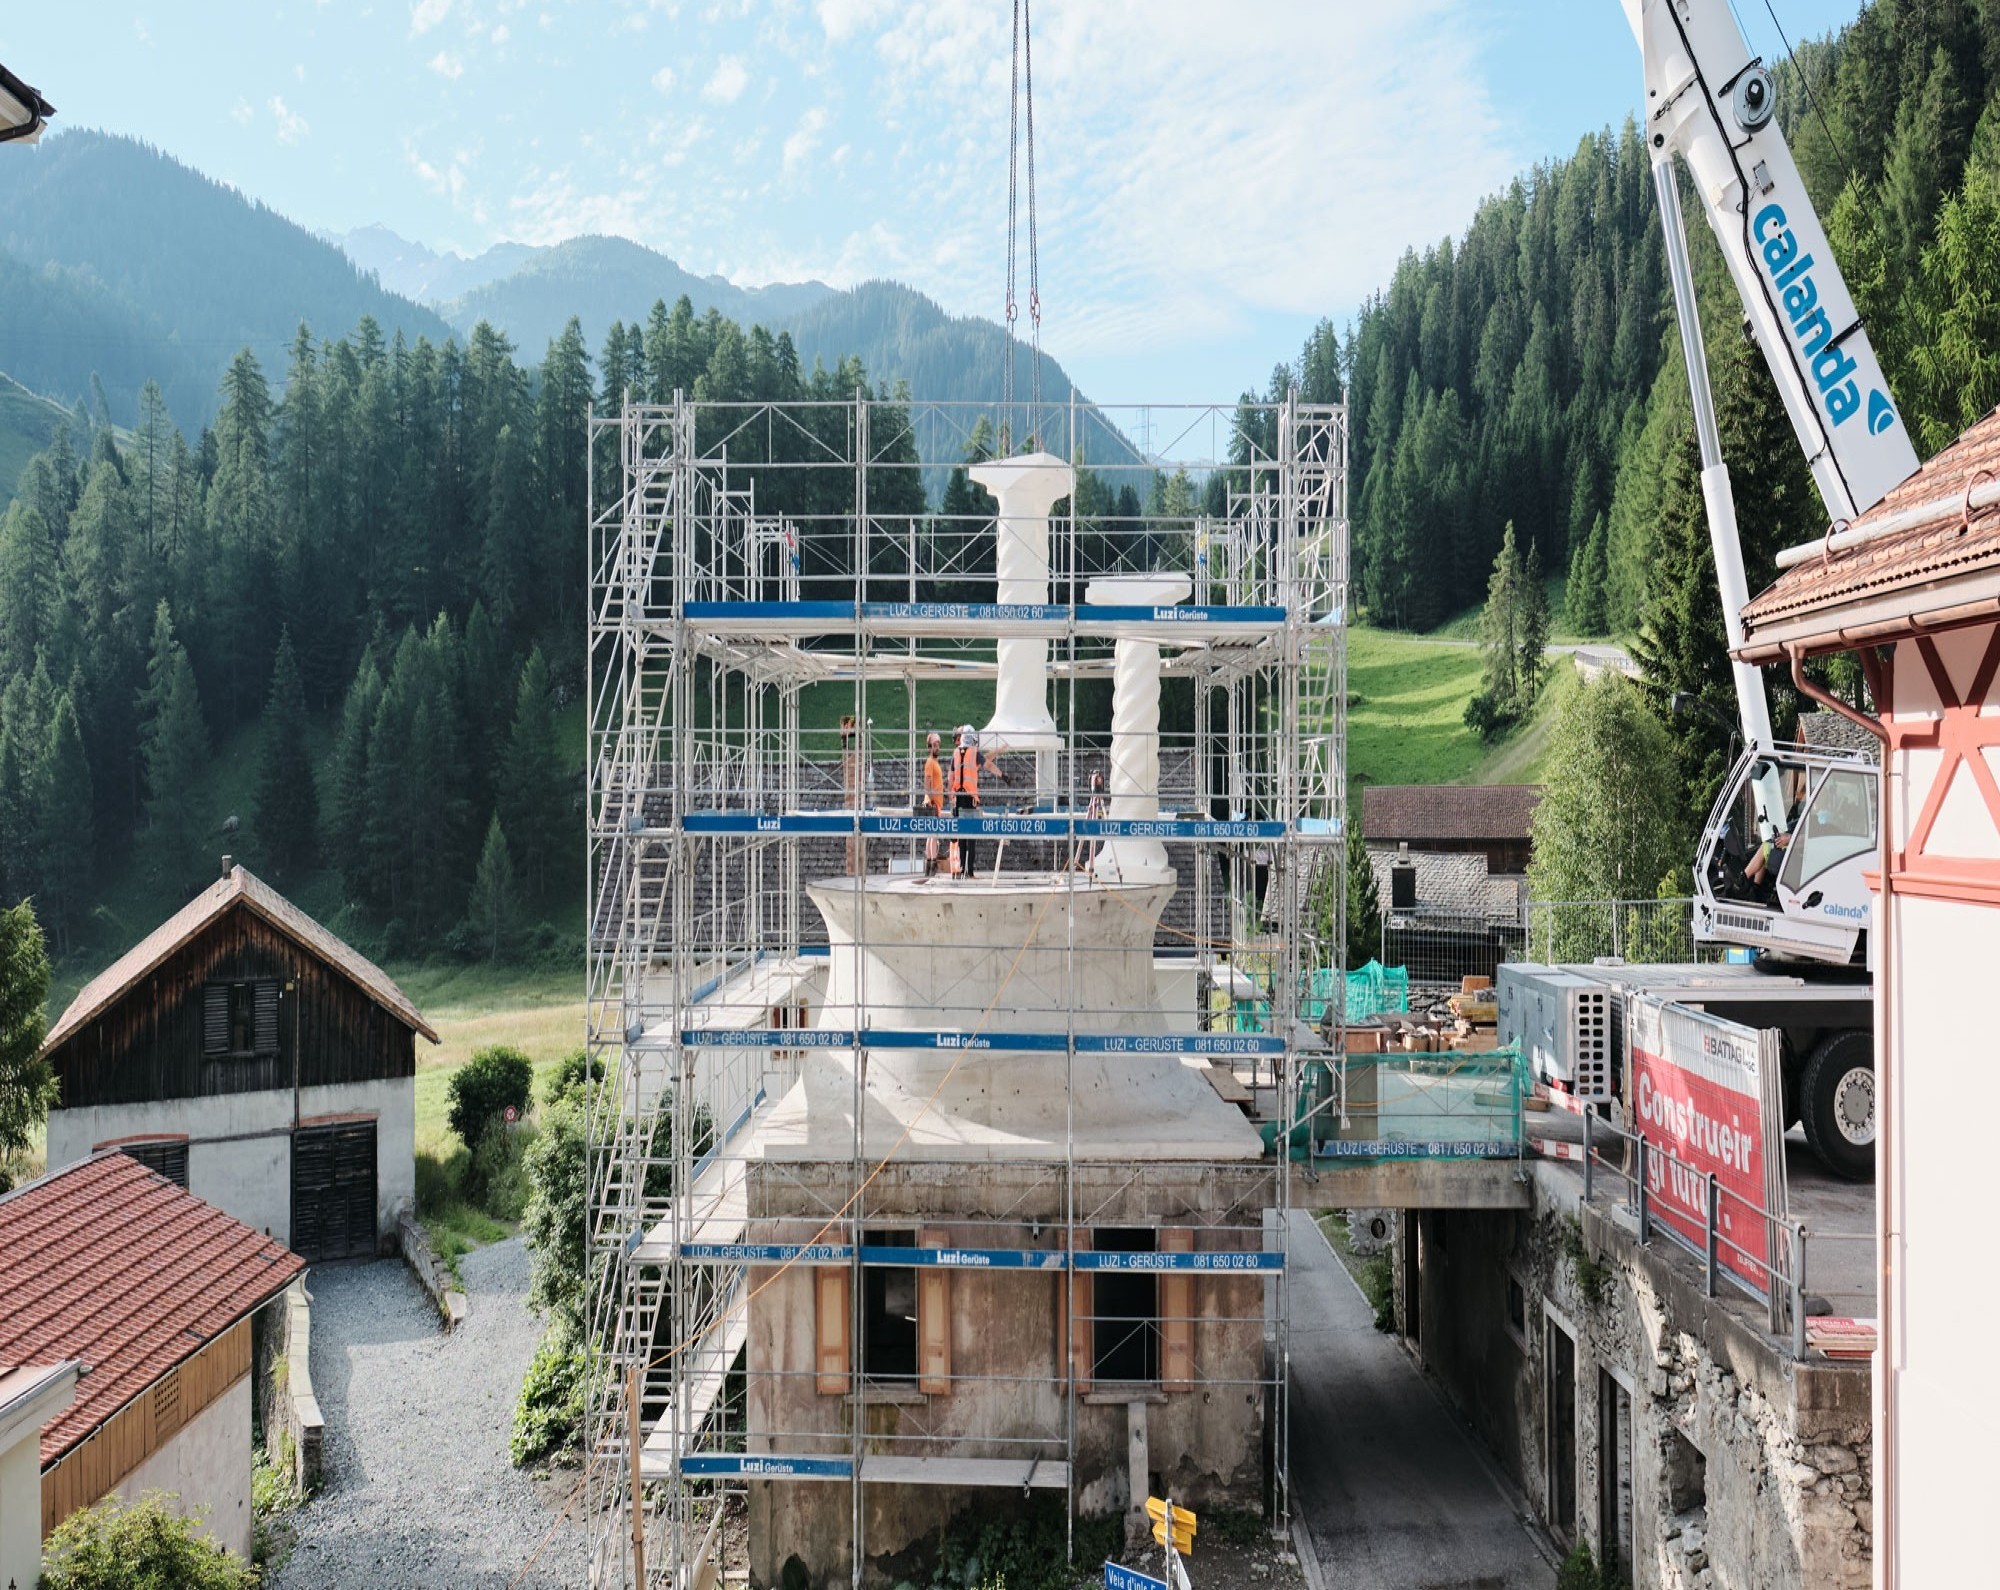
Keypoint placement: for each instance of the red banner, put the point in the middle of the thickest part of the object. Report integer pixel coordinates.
(1696, 1091)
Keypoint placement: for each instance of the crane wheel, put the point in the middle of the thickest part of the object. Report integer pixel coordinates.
(1837, 1104)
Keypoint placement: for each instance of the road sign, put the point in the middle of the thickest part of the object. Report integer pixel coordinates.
(511, 1115)
(1117, 1578)
(1169, 1519)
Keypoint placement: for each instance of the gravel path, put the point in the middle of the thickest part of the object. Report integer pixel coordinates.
(418, 1488)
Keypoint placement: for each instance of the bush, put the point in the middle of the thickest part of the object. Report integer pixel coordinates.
(1487, 718)
(1579, 1570)
(1378, 1285)
(548, 1418)
(554, 1219)
(140, 1547)
(483, 1087)
(569, 1076)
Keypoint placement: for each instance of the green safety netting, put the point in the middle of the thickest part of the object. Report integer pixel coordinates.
(1368, 991)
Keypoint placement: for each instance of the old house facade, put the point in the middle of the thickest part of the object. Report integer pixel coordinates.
(108, 1268)
(248, 1054)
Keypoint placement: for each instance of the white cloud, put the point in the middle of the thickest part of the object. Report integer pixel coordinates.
(663, 79)
(427, 14)
(291, 126)
(842, 18)
(447, 66)
(502, 34)
(242, 112)
(726, 84)
(803, 141)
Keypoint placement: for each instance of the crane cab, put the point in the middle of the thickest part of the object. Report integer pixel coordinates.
(1785, 852)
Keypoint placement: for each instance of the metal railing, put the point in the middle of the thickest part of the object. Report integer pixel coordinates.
(1781, 1266)
(1649, 932)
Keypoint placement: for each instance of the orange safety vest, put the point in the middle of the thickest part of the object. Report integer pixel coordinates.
(934, 783)
(965, 772)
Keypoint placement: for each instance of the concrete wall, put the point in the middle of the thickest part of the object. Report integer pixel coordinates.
(206, 1466)
(1783, 1497)
(21, 1512)
(239, 1144)
(1010, 1385)
(287, 1407)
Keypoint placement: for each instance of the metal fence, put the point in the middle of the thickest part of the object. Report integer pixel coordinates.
(1649, 932)
(1440, 948)
(1778, 1255)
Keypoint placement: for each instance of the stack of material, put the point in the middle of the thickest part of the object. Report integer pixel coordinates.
(1476, 1004)
(1841, 1337)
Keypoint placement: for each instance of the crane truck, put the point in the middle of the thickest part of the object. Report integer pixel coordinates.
(1782, 857)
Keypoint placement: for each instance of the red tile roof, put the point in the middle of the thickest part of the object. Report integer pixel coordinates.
(107, 1262)
(1439, 813)
(239, 887)
(1870, 591)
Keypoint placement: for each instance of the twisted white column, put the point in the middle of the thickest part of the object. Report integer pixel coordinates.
(1134, 785)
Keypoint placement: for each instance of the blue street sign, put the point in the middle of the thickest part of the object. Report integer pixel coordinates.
(1117, 1578)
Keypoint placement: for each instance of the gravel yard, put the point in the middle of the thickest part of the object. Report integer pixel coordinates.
(418, 1488)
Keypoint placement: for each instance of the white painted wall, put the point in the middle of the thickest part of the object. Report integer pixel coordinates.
(1947, 1290)
(21, 1512)
(239, 1144)
(206, 1465)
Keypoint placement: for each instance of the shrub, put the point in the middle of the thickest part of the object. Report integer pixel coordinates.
(548, 1418)
(1378, 1285)
(553, 1221)
(569, 1076)
(483, 1087)
(140, 1547)
(1579, 1570)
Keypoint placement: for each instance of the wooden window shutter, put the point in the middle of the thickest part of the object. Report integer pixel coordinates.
(830, 1289)
(933, 1321)
(215, 1019)
(264, 1017)
(1079, 1334)
(166, 1405)
(1176, 1314)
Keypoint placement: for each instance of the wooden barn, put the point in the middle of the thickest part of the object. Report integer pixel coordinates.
(249, 1055)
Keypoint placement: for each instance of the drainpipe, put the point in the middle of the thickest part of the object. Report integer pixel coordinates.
(1886, 1078)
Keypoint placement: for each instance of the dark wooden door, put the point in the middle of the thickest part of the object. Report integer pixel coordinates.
(333, 1191)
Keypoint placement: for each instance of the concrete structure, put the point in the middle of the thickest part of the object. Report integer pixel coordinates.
(247, 1053)
(1913, 587)
(31, 1396)
(150, 1291)
(1666, 1427)
(979, 1075)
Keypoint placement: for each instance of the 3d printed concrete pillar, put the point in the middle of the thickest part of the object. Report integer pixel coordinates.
(1135, 725)
(1026, 486)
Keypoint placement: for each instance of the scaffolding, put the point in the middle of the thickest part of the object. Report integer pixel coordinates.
(797, 1171)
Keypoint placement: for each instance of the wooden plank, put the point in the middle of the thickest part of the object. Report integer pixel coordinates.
(830, 1291)
(934, 1320)
(1176, 1314)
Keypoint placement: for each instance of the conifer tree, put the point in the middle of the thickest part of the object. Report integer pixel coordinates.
(287, 803)
(173, 740)
(1364, 903)
(1534, 626)
(28, 587)
(346, 815)
(27, 1088)
(534, 789)
(59, 796)
(1500, 627)
(491, 912)
(1583, 596)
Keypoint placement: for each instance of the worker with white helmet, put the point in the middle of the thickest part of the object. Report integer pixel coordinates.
(965, 790)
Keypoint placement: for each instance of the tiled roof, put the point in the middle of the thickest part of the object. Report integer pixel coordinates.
(239, 887)
(1944, 560)
(107, 1262)
(1441, 812)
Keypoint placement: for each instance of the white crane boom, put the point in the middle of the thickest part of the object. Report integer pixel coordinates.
(1713, 103)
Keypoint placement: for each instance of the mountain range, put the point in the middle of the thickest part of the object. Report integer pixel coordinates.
(122, 264)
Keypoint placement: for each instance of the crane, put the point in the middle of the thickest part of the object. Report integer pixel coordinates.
(1783, 852)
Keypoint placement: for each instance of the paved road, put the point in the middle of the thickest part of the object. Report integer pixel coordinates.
(1394, 1495)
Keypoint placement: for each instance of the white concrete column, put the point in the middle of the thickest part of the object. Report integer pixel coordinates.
(1026, 486)
(1134, 785)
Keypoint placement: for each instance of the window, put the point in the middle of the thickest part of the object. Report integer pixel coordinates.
(1838, 826)
(165, 1156)
(1125, 1329)
(889, 1312)
(240, 1018)
(1614, 1472)
(1559, 1385)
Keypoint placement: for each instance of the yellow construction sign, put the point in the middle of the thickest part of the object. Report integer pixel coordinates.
(1170, 1519)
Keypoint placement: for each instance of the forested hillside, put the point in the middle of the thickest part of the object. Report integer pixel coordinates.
(124, 264)
(1529, 371)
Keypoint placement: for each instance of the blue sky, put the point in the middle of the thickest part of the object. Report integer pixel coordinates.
(1215, 175)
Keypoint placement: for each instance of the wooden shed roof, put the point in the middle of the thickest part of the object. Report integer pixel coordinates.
(238, 887)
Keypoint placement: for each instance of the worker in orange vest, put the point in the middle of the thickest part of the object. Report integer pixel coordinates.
(933, 799)
(965, 791)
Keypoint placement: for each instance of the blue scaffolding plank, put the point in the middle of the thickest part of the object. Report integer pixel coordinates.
(1058, 825)
(1155, 1043)
(1085, 616)
(1042, 1259)
(769, 1466)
